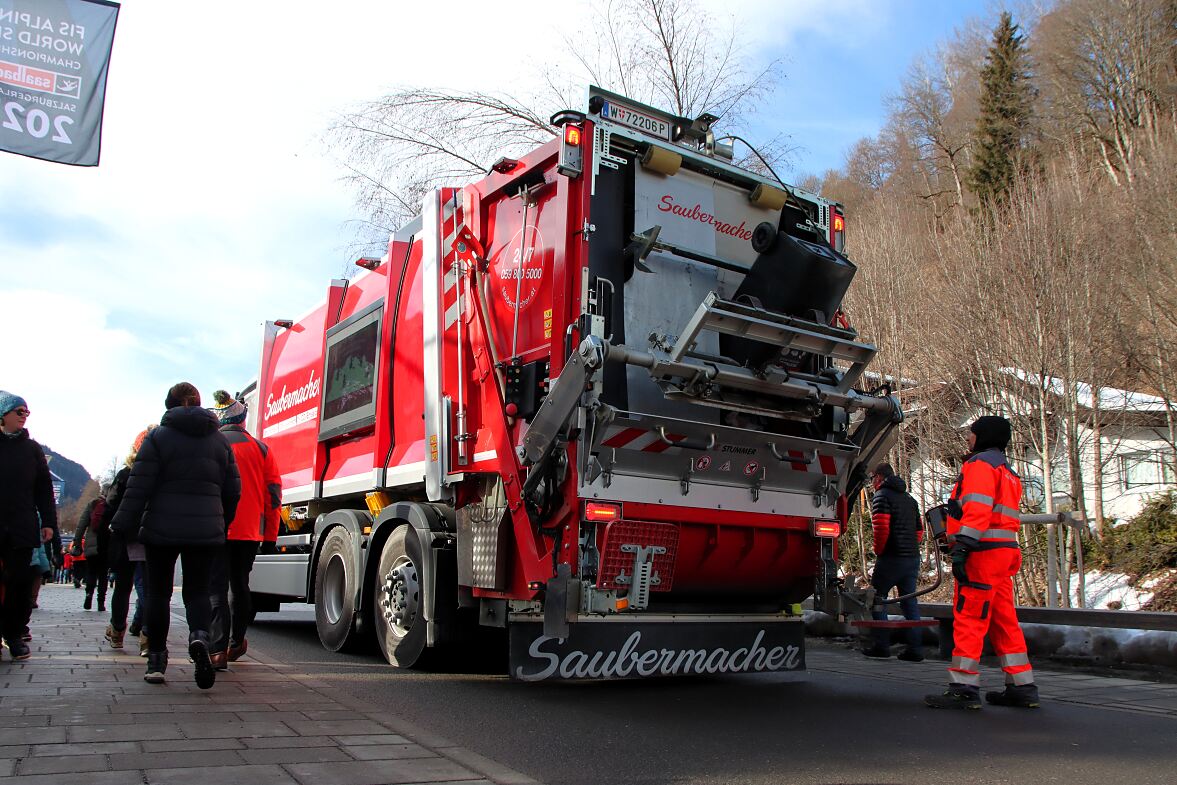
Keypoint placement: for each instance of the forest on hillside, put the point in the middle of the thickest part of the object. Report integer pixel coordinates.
(1015, 228)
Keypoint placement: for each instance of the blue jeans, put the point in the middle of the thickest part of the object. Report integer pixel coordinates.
(891, 572)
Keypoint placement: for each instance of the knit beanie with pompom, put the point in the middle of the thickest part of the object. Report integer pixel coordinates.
(227, 410)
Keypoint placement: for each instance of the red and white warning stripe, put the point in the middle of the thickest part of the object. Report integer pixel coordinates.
(451, 219)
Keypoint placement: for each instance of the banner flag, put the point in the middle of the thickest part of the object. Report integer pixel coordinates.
(54, 58)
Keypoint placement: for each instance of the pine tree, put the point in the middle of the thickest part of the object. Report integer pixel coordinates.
(1007, 97)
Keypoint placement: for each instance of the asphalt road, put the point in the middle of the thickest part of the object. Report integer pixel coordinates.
(818, 727)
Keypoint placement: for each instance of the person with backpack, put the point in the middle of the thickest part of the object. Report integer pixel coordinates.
(93, 532)
(256, 521)
(181, 496)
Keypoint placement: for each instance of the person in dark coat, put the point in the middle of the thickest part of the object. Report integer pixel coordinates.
(127, 563)
(26, 492)
(94, 533)
(898, 532)
(180, 498)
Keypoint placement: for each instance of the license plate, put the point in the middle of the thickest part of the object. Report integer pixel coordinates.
(640, 121)
(640, 648)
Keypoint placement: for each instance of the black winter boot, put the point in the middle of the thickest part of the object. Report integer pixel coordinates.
(957, 696)
(1023, 696)
(88, 603)
(102, 603)
(206, 672)
(157, 663)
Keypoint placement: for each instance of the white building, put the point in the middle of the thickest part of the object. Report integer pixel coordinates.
(1136, 455)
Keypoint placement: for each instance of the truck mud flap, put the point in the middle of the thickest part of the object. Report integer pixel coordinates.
(617, 648)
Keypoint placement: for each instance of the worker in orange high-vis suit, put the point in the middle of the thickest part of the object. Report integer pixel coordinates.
(983, 528)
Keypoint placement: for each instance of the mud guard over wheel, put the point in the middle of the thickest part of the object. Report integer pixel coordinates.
(336, 580)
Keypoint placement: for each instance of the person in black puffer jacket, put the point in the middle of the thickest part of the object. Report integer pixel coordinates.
(26, 492)
(898, 533)
(180, 497)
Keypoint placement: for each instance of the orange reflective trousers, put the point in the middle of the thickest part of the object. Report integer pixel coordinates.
(978, 610)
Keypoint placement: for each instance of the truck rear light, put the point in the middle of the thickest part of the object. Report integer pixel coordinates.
(602, 512)
(837, 230)
(826, 529)
(571, 162)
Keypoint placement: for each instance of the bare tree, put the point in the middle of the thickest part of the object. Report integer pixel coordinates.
(669, 53)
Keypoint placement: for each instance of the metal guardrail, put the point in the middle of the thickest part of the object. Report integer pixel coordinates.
(1076, 617)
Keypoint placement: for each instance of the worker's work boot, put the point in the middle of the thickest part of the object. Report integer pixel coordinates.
(910, 655)
(877, 652)
(956, 696)
(157, 664)
(206, 674)
(1023, 696)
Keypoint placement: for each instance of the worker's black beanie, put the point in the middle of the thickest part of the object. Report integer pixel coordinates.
(991, 432)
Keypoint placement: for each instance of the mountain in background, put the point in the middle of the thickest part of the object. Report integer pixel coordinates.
(74, 475)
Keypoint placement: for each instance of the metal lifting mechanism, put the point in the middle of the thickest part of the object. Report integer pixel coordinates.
(643, 576)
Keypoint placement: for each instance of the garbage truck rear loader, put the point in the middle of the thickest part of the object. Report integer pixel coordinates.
(603, 399)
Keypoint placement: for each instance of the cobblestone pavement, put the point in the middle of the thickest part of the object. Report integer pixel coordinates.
(79, 712)
(1055, 686)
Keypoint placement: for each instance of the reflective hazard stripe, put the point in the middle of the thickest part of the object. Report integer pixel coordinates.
(999, 534)
(1001, 509)
(969, 531)
(977, 497)
(1021, 678)
(1009, 660)
(964, 664)
(961, 677)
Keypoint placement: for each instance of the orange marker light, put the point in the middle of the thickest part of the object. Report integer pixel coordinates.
(602, 512)
(572, 135)
(839, 223)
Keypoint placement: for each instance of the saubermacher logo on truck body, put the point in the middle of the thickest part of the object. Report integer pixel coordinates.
(621, 650)
(281, 402)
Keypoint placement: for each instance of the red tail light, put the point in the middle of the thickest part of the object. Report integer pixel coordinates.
(602, 512)
(826, 528)
(837, 229)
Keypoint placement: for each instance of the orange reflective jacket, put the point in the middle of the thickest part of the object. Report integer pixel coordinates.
(989, 494)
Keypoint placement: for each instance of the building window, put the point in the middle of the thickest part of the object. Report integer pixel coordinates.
(1145, 468)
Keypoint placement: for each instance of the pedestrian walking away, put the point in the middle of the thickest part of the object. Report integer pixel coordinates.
(93, 534)
(256, 522)
(181, 495)
(126, 559)
(28, 518)
(898, 533)
(983, 526)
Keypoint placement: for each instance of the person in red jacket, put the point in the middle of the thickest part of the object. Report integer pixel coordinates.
(983, 526)
(256, 522)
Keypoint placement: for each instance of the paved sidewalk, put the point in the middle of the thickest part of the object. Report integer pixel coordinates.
(79, 712)
(1055, 686)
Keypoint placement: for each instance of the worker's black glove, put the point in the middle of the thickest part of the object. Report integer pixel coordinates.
(961, 548)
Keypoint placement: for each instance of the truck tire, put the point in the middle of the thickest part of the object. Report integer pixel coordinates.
(335, 591)
(397, 610)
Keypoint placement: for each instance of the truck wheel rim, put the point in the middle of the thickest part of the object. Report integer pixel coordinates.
(399, 596)
(334, 584)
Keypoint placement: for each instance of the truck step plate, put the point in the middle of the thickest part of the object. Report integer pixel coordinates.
(616, 648)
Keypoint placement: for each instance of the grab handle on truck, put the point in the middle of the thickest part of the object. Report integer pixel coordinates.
(687, 443)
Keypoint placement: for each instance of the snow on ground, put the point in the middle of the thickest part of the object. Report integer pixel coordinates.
(1109, 587)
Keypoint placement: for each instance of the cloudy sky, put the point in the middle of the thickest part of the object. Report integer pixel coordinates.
(217, 205)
